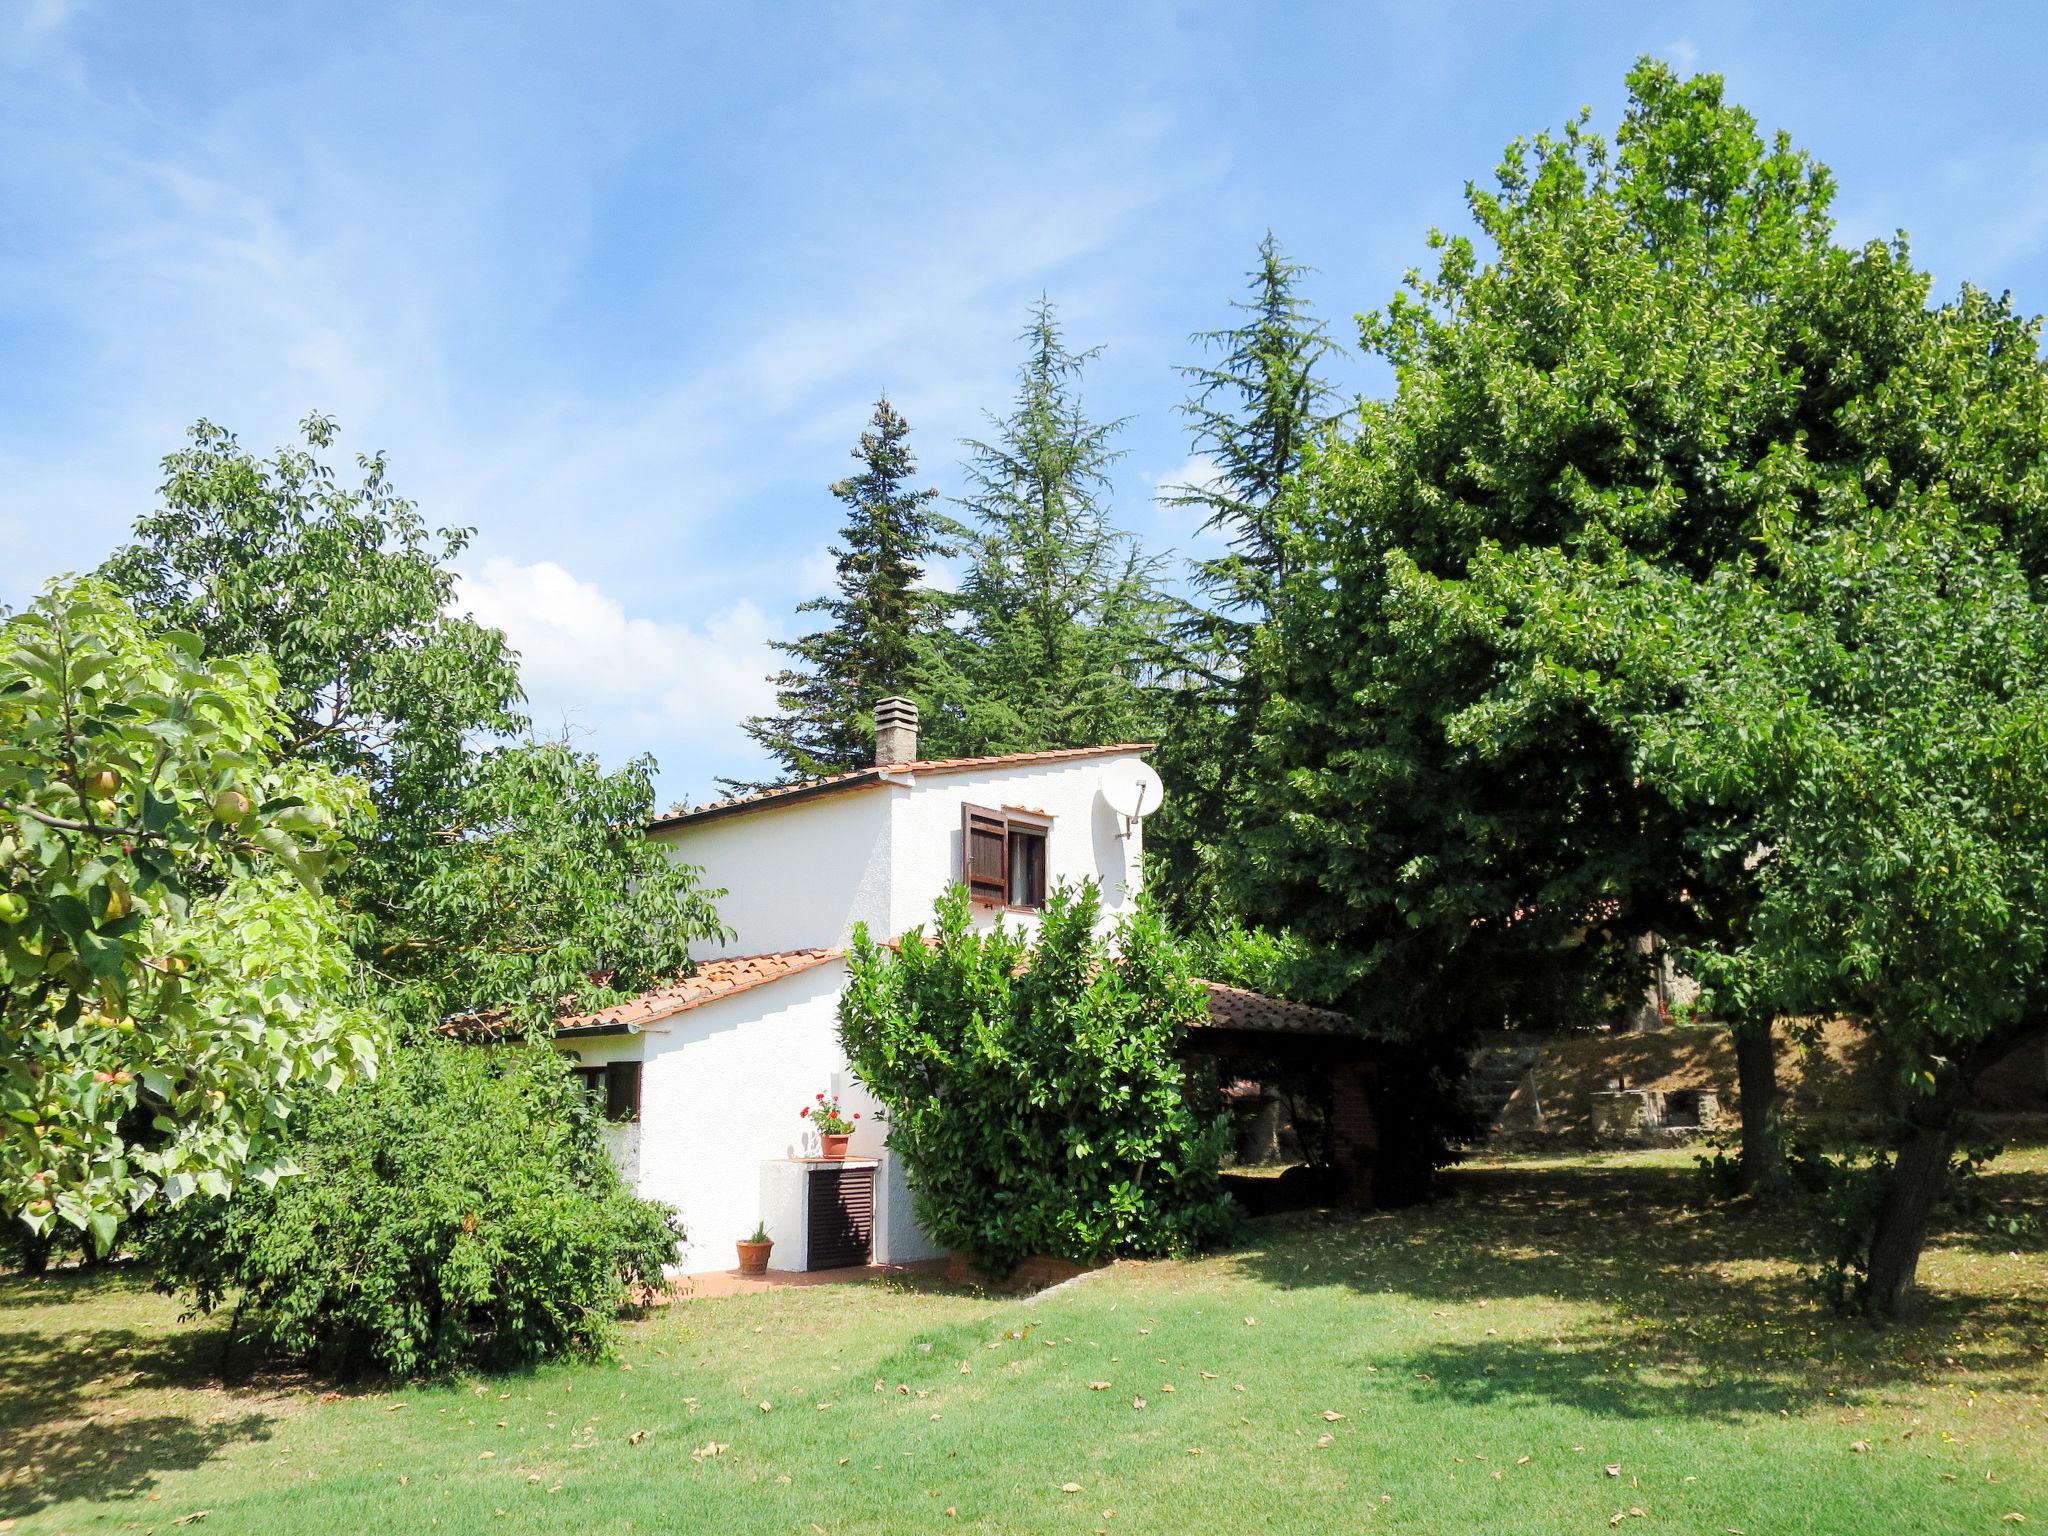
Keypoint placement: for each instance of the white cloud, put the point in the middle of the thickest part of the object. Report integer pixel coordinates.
(635, 683)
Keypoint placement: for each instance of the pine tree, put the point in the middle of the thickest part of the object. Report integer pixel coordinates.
(880, 614)
(1254, 412)
(1062, 618)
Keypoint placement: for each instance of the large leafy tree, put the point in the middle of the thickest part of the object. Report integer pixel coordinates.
(1254, 411)
(881, 615)
(171, 979)
(352, 597)
(542, 891)
(1059, 617)
(1867, 692)
(1665, 351)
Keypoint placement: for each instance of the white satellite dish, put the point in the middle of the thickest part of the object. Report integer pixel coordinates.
(1133, 791)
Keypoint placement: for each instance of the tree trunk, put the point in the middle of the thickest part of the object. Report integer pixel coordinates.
(1756, 1073)
(1917, 1179)
(1920, 1172)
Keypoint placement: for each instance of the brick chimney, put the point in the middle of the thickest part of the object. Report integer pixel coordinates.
(895, 731)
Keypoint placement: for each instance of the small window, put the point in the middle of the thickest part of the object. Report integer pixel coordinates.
(616, 1086)
(1003, 856)
(1027, 866)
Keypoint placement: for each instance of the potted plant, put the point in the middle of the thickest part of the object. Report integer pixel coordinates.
(754, 1250)
(835, 1126)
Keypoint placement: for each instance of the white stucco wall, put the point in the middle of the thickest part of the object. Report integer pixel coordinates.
(720, 1087)
(801, 875)
(796, 877)
(1082, 845)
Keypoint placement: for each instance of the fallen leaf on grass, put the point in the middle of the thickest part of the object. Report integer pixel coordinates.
(1323, 1440)
(766, 1406)
(1137, 1402)
(636, 1437)
(844, 1460)
(487, 1456)
(1613, 1469)
(197, 1515)
(1098, 1386)
(1208, 1375)
(1070, 1487)
(1168, 1387)
(2015, 1517)
(1332, 1416)
(1251, 1322)
(1859, 1445)
(709, 1449)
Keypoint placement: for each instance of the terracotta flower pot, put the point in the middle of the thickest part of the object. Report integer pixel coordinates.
(835, 1146)
(754, 1257)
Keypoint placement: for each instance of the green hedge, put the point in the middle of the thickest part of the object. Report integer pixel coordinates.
(1036, 1095)
(459, 1211)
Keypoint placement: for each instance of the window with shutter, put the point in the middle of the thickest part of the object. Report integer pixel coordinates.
(985, 853)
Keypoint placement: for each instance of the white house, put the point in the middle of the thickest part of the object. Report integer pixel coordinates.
(704, 1079)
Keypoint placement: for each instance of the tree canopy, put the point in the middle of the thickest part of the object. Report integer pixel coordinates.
(171, 978)
(1253, 411)
(352, 598)
(882, 616)
(1059, 619)
(543, 889)
(1664, 374)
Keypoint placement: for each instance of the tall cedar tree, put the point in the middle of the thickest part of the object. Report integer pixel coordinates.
(1667, 358)
(1254, 413)
(1060, 616)
(880, 617)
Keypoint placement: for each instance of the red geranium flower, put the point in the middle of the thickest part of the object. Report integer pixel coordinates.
(803, 1114)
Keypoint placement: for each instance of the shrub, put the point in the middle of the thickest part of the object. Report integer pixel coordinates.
(1036, 1095)
(460, 1211)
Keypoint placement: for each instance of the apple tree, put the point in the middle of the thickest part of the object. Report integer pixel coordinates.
(171, 978)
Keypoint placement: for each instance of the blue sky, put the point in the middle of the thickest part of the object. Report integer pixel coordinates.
(617, 285)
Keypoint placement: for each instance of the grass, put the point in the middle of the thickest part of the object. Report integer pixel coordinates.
(1564, 1342)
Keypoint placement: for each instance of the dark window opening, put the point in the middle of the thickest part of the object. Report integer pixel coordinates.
(1027, 866)
(615, 1086)
(1682, 1107)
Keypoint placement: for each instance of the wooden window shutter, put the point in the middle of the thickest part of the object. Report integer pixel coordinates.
(985, 853)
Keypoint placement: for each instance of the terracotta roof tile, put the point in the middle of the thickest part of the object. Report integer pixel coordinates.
(863, 778)
(1235, 1008)
(711, 980)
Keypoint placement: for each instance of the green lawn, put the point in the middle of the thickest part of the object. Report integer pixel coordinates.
(1564, 1342)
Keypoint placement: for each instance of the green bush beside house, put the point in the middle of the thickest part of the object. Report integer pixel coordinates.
(1035, 1090)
